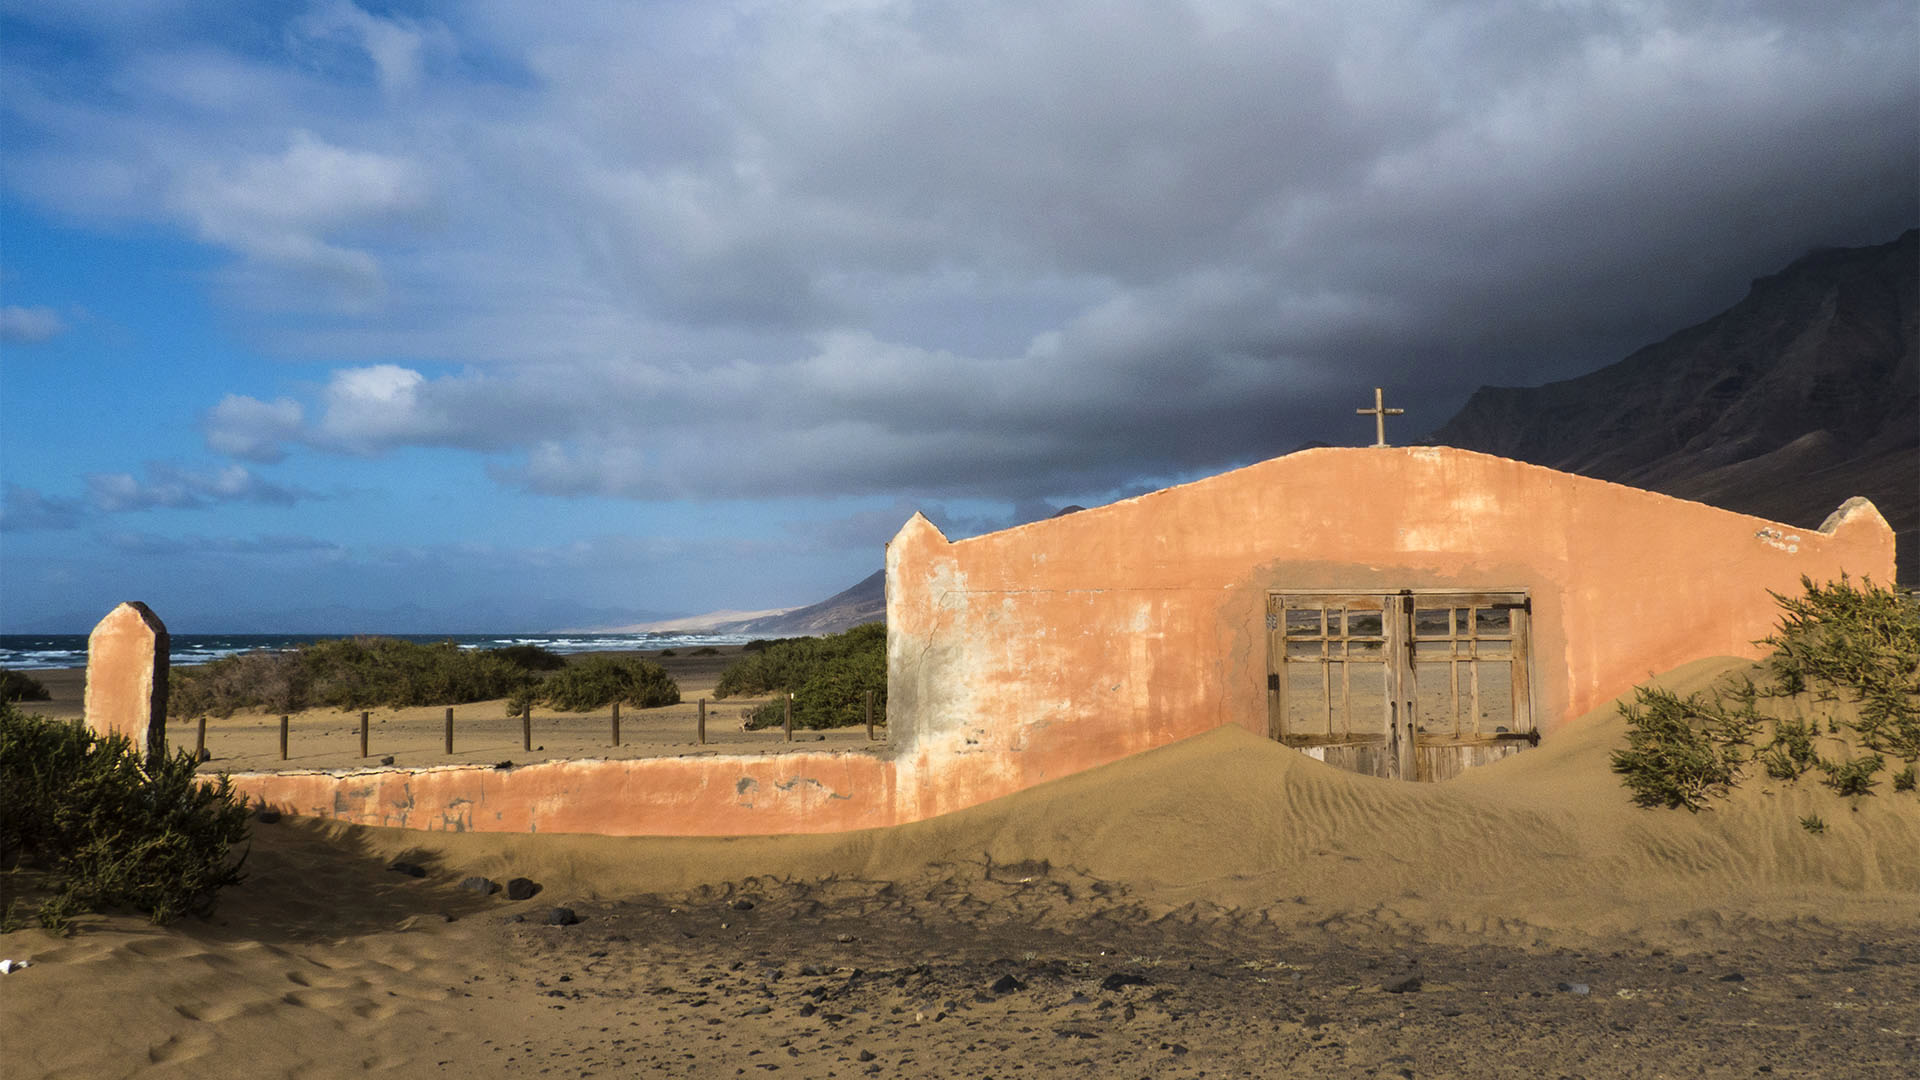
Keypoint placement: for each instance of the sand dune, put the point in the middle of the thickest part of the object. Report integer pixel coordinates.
(1268, 905)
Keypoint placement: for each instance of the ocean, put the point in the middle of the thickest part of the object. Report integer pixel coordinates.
(42, 651)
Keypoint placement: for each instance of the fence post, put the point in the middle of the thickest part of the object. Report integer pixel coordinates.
(283, 737)
(869, 716)
(616, 723)
(526, 728)
(702, 732)
(363, 733)
(449, 729)
(789, 722)
(200, 740)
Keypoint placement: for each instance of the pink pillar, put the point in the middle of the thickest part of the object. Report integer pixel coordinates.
(127, 677)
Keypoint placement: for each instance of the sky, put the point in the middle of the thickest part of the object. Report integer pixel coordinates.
(471, 317)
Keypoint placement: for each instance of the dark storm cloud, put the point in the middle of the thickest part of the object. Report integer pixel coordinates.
(978, 249)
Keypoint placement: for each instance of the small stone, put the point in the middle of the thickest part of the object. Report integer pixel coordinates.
(483, 886)
(1581, 989)
(560, 916)
(1678, 969)
(1006, 984)
(866, 1055)
(1733, 976)
(1120, 978)
(410, 869)
(1177, 1050)
(388, 760)
(742, 904)
(758, 1010)
(809, 1009)
(1408, 985)
(522, 888)
(844, 939)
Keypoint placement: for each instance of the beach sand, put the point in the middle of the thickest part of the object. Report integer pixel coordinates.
(1218, 907)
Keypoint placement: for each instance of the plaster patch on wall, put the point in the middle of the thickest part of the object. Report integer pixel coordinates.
(1778, 540)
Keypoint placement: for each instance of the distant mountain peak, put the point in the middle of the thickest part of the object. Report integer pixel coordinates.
(1803, 394)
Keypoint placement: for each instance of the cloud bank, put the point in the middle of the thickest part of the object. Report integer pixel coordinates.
(944, 250)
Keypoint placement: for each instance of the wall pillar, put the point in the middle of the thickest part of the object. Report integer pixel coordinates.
(127, 678)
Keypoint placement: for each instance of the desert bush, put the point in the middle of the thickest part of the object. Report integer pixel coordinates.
(20, 686)
(597, 681)
(1904, 779)
(349, 673)
(1791, 752)
(829, 678)
(530, 657)
(705, 650)
(1813, 824)
(109, 829)
(1853, 777)
(1673, 757)
(1863, 641)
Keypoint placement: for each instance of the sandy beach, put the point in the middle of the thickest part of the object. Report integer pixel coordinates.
(1218, 907)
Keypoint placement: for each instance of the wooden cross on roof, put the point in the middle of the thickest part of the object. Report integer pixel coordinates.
(1379, 412)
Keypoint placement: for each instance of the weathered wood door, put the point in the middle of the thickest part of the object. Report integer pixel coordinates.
(1407, 685)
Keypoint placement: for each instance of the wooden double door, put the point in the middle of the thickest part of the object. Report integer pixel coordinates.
(1407, 685)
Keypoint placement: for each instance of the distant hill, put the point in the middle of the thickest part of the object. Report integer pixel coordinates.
(1803, 394)
(863, 603)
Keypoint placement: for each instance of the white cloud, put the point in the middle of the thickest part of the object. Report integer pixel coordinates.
(30, 325)
(251, 429)
(170, 487)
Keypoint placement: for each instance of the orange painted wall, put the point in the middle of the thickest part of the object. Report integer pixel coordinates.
(1037, 652)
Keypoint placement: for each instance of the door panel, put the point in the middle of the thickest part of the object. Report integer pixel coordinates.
(1406, 684)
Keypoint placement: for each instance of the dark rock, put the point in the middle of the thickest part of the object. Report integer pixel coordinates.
(483, 886)
(508, 764)
(407, 868)
(1006, 984)
(1120, 978)
(758, 1010)
(1074, 1033)
(1581, 989)
(1177, 1050)
(388, 760)
(560, 916)
(515, 918)
(866, 1055)
(1733, 976)
(522, 888)
(1408, 985)
(809, 1009)
(742, 904)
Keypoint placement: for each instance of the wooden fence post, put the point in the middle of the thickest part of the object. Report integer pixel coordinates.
(449, 729)
(869, 716)
(283, 737)
(200, 740)
(526, 728)
(363, 733)
(789, 722)
(616, 723)
(702, 731)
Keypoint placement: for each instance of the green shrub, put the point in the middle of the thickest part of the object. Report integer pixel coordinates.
(1813, 824)
(757, 645)
(594, 682)
(1672, 757)
(668, 652)
(1853, 777)
(530, 657)
(1791, 753)
(829, 678)
(350, 673)
(705, 650)
(108, 829)
(1863, 640)
(20, 686)
(1904, 779)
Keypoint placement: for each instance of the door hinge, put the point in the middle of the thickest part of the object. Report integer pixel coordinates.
(1273, 682)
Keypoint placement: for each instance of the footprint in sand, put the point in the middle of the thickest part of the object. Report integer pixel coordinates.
(183, 1047)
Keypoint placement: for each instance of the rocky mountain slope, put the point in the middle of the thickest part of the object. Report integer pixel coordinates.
(1803, 394)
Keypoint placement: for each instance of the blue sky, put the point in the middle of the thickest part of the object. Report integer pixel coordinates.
(491, 316)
